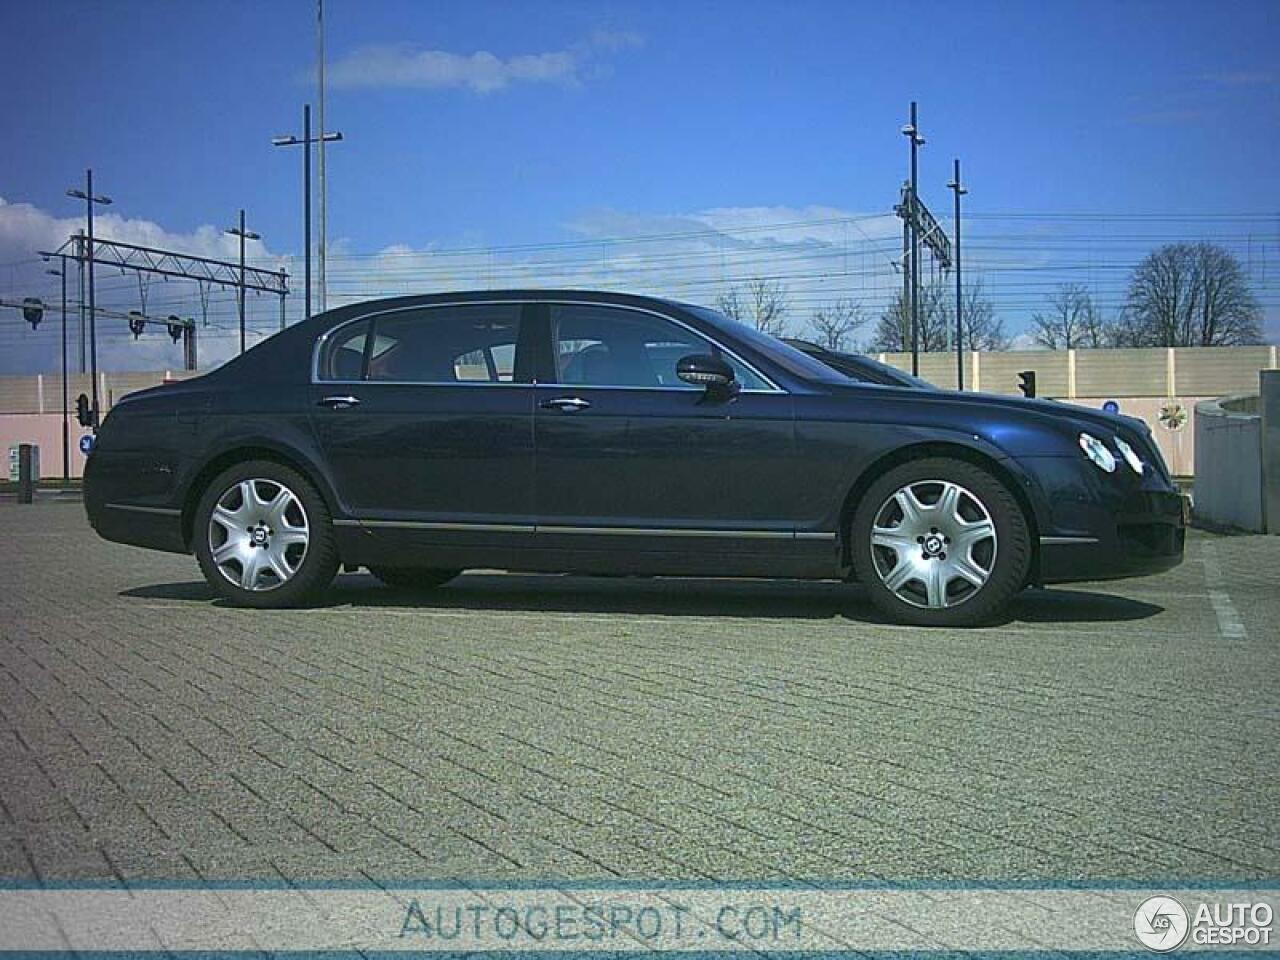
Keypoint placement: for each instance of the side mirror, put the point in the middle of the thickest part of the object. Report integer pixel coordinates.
(704, 370)
(84, 415)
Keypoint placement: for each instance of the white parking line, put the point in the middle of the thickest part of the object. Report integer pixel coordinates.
(1229, 623)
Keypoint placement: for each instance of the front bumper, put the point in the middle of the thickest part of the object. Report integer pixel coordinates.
(1098, 526)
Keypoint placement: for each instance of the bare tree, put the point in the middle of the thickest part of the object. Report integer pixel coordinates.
(893, 330)
(982, 329)
(762, 304)
(1192, 295)
(1072, 321)
(834, 325)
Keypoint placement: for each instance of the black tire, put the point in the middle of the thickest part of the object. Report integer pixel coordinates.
(319, 560)
(1010, 552)
(413, 578)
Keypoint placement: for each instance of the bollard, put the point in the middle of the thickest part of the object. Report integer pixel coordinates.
(26, 482)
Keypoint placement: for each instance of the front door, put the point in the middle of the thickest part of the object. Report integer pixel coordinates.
(425, 416)
(627, 450)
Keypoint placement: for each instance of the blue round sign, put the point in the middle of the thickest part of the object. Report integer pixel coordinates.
(86, 444)
(1111, 407)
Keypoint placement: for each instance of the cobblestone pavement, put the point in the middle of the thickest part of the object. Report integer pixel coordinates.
(533, 728)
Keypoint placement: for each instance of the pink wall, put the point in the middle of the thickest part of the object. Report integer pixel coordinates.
(45, 431)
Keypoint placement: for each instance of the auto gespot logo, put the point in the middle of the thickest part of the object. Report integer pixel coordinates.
(1162, 923)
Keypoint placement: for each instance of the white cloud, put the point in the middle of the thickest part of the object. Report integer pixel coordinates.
(403, 65)
(821, 254)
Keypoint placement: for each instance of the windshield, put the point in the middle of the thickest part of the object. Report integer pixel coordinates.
(892, 374)
(784, 355)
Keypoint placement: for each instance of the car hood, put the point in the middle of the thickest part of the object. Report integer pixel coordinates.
(1055, 409)
(1016, 425)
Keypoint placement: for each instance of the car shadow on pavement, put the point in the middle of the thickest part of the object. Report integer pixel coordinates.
(666, 597)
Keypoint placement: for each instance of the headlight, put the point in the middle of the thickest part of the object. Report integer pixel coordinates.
(1097, 451)
(1130, 456)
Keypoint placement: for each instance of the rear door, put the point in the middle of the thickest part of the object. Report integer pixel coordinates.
(425, 415)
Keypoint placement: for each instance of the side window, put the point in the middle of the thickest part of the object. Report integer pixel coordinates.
(605, 346)
(344, 357)
(446, 344)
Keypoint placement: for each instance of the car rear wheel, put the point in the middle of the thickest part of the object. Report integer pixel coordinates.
(414, 578)
(263, 536)
(940, 542)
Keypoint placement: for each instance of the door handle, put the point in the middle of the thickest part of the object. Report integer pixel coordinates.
(339, 403)
(565, 404)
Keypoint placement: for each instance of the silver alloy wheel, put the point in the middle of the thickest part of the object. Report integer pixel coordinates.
(933, 543)
(258, 534)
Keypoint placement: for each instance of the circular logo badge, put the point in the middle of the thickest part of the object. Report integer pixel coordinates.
(1173, 415)
(1160, 923)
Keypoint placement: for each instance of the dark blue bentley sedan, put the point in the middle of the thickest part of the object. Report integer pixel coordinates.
(607, 433)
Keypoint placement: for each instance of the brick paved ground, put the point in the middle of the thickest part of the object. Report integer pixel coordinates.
(512, 727)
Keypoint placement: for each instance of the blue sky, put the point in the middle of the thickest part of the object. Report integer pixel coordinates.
(553, 121)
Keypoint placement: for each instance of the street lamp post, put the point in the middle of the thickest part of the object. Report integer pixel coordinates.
(244, 234)
(66, 450)
(87, 195)
(305, 142)
(960, 190)
(912, 132)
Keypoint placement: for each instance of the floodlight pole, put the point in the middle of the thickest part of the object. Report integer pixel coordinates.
(906, 265)
(960, 190)
(66, 452)
(240, 234)
(79, 248)
(305, 143)
(912, 131)
(244, 234)
(90, 199)
(324, 197)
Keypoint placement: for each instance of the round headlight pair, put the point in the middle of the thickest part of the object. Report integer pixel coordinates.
(1097, 451)
(1104, 459)
(1130, 456)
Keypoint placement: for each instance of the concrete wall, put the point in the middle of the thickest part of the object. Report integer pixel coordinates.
(1269, 409)
(1228, 465)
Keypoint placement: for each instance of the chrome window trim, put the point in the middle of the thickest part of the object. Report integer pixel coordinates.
(321, 340)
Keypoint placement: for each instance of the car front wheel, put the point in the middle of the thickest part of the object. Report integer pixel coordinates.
(940, 542)
(263, 536)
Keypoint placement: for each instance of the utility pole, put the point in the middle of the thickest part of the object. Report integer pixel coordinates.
(959, 189)
(87, 195)
(244, 234)
(79, 248)
(305, 143)
(912, 132)
(906, 255)
(324, 196)
(66, 450)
